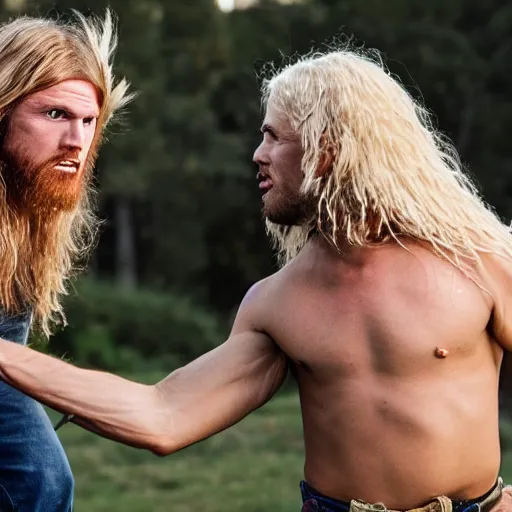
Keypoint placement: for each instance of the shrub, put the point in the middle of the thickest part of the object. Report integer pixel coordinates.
(111, 328)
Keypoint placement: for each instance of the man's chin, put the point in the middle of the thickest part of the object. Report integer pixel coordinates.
(50, 202)
(282, 218)
(292, 216)
(60, 204)
(58, 193)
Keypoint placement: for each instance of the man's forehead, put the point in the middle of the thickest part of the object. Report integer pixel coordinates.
(79, 96)
(276, 118)
(278, 121)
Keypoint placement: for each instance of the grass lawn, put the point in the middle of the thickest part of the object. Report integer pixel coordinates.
(254, 466)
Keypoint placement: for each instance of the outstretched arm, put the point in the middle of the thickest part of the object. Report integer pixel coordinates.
(202, 398)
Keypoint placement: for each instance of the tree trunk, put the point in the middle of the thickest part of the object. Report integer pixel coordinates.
(126, 268)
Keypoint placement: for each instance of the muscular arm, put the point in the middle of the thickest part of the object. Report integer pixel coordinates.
(497, 280)
(202, 398)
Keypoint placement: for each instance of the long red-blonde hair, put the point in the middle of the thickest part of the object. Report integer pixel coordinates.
(40, 251)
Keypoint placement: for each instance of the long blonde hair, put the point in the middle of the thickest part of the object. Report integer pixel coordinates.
(39, 253)
(393, 175)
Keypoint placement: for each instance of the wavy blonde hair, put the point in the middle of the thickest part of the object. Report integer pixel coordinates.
(39, 253)
(392, 176)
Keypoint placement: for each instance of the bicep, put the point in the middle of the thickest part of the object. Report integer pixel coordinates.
(497, 280)
(221, 387)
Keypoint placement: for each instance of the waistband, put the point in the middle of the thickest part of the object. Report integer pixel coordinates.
(314, 501)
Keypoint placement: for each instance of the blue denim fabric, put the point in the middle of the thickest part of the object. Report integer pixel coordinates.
(34, 472)
(313, 501)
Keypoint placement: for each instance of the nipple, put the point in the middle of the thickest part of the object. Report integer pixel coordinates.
(441, 353)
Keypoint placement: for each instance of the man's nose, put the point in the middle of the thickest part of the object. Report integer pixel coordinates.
(74, 136)
(260, 155)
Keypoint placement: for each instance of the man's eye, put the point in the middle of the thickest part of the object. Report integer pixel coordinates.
(89, 120)
(56, 113)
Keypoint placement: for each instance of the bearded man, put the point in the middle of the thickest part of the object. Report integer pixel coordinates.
(57, 94)
(393, 309)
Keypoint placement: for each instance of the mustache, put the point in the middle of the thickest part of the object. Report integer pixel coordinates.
(262, 174)
(39, 186)
(56, 159)
(26, 164)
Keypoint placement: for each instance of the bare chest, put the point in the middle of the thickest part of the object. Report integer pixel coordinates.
(402, 321)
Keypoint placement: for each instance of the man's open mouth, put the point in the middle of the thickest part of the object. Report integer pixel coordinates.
(265, 182)
(70, 166)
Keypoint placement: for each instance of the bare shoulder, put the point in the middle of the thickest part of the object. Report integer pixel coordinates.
(419, 279)
(495, 273)
(411, 265)
(412, 259)
(257, 305)
(495, 270)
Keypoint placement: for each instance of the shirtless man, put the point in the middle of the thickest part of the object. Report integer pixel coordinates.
(56, 97)
(391, 308)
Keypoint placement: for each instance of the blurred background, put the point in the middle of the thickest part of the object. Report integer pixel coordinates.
(182, 238)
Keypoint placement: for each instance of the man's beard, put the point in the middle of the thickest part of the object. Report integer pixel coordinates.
(288, 211)
(39, 188)
(46, 224)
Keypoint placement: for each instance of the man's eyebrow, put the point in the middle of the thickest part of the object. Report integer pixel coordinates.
(267, 128)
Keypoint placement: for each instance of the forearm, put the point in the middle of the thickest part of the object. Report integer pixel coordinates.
(111, 406)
